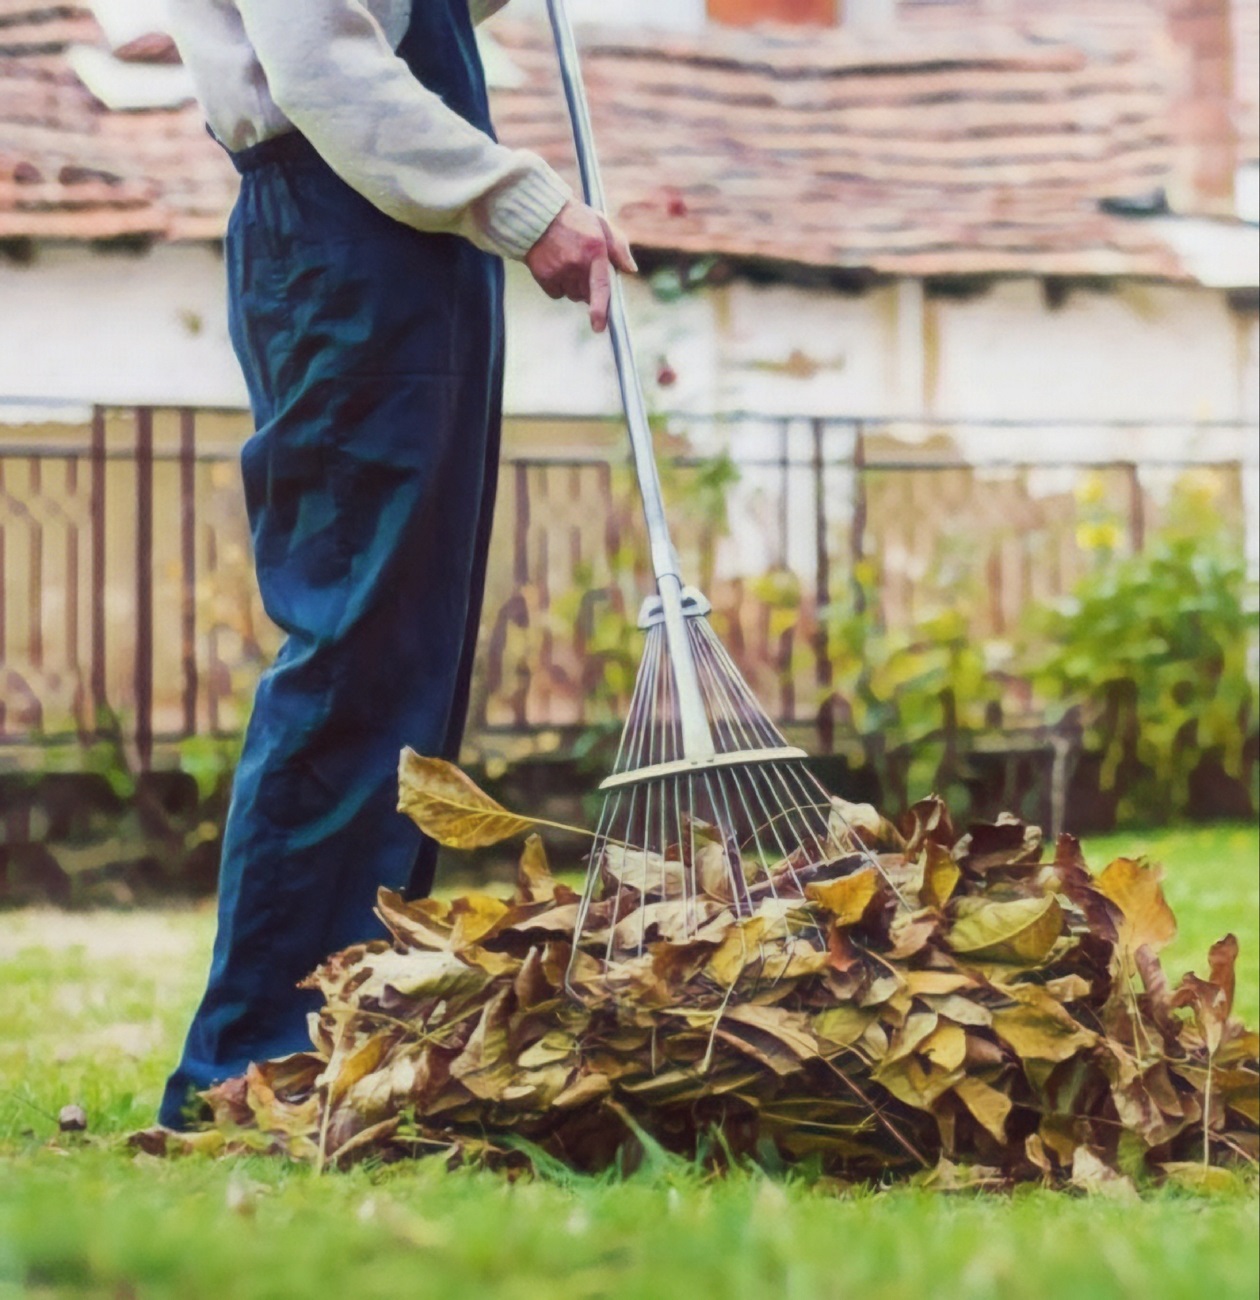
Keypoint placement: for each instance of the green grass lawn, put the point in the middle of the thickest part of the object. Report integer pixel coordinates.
(91, 1011)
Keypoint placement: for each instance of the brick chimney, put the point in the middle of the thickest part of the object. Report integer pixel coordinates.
(743, 13)
(1204, 126)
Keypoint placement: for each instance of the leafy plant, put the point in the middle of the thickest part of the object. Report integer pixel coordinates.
(909, 694)
(1157, 649)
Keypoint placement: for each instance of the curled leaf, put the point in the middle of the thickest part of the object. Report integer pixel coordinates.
(1135, 889)
(450, 807)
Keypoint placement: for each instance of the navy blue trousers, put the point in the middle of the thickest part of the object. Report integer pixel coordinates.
(373, 355)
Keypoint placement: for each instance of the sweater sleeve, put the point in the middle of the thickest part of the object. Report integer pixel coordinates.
(331, 71)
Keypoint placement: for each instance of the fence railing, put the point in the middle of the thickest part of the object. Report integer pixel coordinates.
(126, 591)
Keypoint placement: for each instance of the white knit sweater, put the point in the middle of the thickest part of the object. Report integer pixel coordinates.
(329, 68)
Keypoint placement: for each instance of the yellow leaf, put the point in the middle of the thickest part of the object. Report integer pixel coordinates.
(847, 898)
(451, 808)
(534, 882)
(1023, 930)
(989, 1106)
(585, 1088)
(921, 983)
(959, 1008)
(342, 1074)
(852, 825)
(842, 1025)
(910, 1081)
(421, 923)
(1135, 889)
(475, 916)
(918, 1028)
(946, 1046)
(941, 875)
(1038, 1028)
(741, 946)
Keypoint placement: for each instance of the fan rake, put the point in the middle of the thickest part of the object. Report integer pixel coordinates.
(708, 808)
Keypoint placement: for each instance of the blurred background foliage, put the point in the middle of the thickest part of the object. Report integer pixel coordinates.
(1146, 671)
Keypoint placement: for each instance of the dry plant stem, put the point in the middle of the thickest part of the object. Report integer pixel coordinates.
(888, 1126)
(717, 1020)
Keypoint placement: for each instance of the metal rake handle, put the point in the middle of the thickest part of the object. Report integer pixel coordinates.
(697, 736)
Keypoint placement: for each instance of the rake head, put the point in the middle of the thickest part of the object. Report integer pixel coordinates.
(682, 839)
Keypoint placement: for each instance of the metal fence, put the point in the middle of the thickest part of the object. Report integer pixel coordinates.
(126, 591)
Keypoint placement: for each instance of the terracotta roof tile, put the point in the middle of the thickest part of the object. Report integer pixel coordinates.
(70, 169)
(935, 151)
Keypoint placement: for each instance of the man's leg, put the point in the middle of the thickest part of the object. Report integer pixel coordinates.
(367, 489)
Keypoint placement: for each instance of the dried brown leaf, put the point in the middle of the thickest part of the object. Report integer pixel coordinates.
(1006, 842)
(1135, 889)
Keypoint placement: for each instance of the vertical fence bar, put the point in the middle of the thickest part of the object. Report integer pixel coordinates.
(213, 677)
(857, 528)
(144, 587)
(71, 641)
(785, 493)
(823, 674)
(97, 653)
(4, 629)
(188, 565)
(1137, 509)
(35, 571)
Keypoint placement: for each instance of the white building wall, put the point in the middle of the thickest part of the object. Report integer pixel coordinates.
(152, 328)
(120, 328)
(84, 327)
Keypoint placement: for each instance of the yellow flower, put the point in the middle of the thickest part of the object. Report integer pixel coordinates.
(1098, 536)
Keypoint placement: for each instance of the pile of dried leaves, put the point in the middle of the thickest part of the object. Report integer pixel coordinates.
(971, 1009)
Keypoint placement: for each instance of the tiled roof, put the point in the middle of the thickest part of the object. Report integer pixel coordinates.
(934, 153)
(940, 150)
(72, 170)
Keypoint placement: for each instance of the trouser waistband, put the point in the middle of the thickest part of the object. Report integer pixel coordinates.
(290, 147)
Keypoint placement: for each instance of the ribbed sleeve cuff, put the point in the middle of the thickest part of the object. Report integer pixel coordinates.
(516, 215)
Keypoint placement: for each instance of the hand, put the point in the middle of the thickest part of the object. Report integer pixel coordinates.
(574, 259)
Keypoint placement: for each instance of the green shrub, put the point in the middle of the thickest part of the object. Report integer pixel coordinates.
(1158, 652)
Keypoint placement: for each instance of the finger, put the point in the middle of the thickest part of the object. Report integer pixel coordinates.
(619, 250)
(601, 292)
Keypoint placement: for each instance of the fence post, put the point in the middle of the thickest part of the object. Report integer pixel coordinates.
(823, 673)
(1137, 509)
(857, 527)
(144, 587)
(98, 670)
(188, 564)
